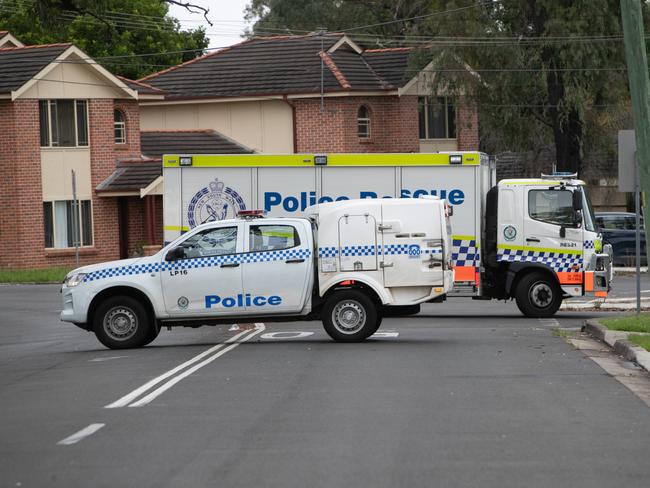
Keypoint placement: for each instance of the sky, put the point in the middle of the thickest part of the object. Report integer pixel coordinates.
(226, 15)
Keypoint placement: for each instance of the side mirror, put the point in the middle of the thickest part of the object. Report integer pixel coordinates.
(175, 254)
(577, 200)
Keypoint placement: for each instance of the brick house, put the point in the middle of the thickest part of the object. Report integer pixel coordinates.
(311, 93)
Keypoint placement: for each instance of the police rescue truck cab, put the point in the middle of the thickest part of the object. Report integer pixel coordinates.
(345, 264)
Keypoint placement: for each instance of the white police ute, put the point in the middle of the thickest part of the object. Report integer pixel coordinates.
(349, 263)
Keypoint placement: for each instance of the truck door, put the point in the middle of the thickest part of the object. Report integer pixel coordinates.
(277, 267)
(412, 246)
(549, 211)
(207, 279)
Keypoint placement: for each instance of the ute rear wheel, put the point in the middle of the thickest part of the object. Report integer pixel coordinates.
(538, 295)
(122, 322)
(350, 316)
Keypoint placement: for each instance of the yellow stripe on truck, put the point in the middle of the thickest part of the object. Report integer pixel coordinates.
(307, 160)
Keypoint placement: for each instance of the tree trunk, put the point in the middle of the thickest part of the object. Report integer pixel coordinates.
(568, 136)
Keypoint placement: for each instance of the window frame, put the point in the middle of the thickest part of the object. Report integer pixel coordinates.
(48, 103)
(365, 121)
(566, 224)
(82, 226)
(203, 232)
(296, 237)
(424, 102)
(119, 125)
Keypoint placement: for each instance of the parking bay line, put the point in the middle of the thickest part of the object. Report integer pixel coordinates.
(77, 436)
(129, 397)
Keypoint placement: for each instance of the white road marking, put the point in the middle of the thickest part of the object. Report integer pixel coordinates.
(99, 360)
(166, 386)
(85, 432)
(234, 327)
(129, 397)
(378, 335)
(286, 335)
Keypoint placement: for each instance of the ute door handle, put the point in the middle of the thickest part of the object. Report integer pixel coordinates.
(229, 265)
(532, 239)
(299, 260)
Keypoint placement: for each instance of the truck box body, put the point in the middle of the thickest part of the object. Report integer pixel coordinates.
(201, 188)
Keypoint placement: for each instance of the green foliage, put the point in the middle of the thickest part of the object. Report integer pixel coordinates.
(101, 28)
(632, 323)
(45, 275)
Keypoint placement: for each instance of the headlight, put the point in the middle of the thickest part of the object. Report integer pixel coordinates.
(73, 280)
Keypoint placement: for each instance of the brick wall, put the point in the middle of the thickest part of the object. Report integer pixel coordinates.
(467, 126)
(21, 211)
(394, 125)
(131, 111)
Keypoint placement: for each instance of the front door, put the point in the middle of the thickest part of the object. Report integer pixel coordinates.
(276, 268)
(550, 211)
(207, 280)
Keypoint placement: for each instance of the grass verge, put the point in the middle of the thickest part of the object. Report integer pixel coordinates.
(45, 275)
(640, 340)
(631, 323)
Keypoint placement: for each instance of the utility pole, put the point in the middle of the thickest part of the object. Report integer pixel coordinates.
(637, 72)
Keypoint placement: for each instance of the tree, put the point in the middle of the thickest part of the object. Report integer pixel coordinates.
(534, 67)
(117, 33)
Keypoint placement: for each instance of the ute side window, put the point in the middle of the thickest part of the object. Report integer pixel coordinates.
(552, 206)
(272, 237)
(211, 242)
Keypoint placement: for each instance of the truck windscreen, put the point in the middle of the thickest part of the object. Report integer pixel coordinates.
(588, 211)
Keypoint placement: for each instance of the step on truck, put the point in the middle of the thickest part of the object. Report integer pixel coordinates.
(348, 263)
(531, 240)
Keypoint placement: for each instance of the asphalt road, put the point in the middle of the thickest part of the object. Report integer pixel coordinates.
(466, 394)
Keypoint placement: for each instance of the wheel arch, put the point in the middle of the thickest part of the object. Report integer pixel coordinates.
(119, 290)
(378, 294)
(517, 271)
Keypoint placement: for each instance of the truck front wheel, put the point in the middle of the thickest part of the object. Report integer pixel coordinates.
(350, 316)
(538, 295)
(122, 322)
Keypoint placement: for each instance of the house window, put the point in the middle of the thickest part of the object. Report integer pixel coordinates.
(120, 127)
(63, 123)
(363, 122)
(437, 118)
(60, 223)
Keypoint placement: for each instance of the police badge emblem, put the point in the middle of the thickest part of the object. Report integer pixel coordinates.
(214, 202)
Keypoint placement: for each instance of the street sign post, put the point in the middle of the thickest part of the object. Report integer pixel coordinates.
(629, 180)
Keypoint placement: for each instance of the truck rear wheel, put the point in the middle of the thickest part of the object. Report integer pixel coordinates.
(538, 295)
(350, 316)
(122, 322)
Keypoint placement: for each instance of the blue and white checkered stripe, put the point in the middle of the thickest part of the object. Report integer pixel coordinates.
(465, 253)
(391, 249)
(590, 244)
(558, 261)
(204, 262)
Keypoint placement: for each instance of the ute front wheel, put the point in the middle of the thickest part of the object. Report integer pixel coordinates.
(122, 322)
(538, 295)
(350, 316)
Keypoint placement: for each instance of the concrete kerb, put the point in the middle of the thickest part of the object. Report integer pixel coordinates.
(618, 341)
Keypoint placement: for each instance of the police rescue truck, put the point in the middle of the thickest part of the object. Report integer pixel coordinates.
(532, 240)
(346, 264)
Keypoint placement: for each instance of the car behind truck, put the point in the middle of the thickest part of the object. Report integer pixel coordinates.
(343, 265)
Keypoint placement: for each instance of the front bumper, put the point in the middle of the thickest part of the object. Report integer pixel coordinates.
(75, 304)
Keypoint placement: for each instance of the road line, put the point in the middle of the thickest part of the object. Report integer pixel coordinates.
(77, 436)
(166, 386)
(129, 397)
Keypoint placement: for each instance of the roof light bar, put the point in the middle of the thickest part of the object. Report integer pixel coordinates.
(560, 174)
(251, 214)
